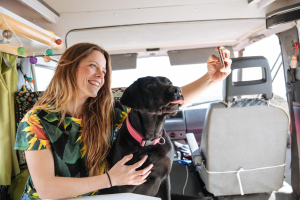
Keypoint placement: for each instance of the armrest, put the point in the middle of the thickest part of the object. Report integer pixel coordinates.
(197, 159)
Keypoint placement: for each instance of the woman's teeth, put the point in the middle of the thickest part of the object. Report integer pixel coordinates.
(94, 83)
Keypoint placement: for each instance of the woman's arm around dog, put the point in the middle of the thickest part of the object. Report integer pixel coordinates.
(48, 186)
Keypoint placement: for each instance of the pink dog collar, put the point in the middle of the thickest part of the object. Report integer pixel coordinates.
(141, 139)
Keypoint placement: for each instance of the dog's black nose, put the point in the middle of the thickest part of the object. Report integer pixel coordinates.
(175, 90)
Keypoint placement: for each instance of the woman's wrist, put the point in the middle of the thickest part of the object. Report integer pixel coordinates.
(106, 180)
(208, 79)
(109, 179)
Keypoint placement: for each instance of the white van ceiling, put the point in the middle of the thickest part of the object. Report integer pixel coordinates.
(137, 38)
(167, 36)
(68, 6)
(175, 24)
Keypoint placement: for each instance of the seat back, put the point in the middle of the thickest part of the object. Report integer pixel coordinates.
(117, 93)
(262, 86)
(244, 142)
(24, 101)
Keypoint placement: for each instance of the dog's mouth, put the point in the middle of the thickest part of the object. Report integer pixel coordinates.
(172, 106)
(179, 101)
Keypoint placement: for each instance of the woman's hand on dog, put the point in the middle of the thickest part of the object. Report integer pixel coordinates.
(122, 174)
(215, 69)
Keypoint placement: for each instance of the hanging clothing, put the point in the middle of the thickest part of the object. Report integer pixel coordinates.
(8, 86)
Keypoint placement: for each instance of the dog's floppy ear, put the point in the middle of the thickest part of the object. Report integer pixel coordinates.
(132, 97)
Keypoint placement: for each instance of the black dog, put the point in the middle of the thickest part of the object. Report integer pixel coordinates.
(151, 100)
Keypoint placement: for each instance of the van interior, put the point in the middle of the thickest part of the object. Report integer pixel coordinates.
(238, 140)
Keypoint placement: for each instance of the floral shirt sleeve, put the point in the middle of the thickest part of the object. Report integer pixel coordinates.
(120, 114)
(31, 134)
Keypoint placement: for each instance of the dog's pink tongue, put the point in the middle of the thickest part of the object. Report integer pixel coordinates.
(179, 101)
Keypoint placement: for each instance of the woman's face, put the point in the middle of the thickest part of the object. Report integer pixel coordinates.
(90, 74)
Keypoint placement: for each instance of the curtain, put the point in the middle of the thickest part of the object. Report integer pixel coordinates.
(9, 165)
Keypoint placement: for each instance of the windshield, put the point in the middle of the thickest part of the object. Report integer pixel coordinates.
(180, 75)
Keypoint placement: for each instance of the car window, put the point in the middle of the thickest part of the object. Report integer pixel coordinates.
(44, 73)
(182, 75)
(43, 77)
(270, 49)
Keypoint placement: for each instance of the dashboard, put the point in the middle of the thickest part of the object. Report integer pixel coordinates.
(186, 121)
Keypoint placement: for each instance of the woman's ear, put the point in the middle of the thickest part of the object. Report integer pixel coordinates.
(132, 97)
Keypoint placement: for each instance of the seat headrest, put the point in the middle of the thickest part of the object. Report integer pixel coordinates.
(117, 93)
(262, 86)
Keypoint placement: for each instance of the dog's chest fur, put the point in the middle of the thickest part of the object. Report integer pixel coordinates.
(161, 156)
(158, 155)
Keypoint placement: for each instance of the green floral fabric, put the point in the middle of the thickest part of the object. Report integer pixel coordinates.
(39, 130)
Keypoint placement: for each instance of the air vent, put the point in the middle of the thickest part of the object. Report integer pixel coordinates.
(153, 49)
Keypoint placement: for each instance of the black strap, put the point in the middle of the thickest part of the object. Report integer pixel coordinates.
(109, 179)
(291, 72)
(294, 145)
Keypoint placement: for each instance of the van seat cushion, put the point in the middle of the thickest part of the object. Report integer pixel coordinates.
(249, 134)
(276, 101)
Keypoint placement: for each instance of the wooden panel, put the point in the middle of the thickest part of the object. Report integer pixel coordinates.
(28, 32)
(11, 50)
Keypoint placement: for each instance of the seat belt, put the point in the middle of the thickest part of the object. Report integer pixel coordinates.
(295, 178)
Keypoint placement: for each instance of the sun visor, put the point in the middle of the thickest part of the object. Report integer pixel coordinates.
(123, 61)
(193, 56)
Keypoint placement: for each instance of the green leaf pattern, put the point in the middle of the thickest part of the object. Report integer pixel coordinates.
(65, 140)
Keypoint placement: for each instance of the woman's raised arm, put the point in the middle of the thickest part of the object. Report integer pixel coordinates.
(215, 73)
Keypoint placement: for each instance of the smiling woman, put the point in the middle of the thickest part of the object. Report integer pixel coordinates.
(58, 147)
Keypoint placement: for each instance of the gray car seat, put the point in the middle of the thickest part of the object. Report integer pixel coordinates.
(243, 145)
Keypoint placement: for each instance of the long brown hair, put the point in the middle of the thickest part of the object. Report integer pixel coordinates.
(96, 113)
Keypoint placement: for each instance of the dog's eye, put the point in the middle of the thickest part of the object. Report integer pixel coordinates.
(150, 85)
(168, 81)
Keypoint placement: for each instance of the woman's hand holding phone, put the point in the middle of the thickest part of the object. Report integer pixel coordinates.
(219, 67)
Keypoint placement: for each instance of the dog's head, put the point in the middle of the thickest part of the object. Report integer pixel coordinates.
(156, 95)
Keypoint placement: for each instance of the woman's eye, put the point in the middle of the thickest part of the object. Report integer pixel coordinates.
(104, 72)
(93, 65)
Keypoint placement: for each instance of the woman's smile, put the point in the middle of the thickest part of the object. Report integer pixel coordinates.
(95, 83)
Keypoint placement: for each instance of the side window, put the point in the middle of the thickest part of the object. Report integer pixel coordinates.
(44, 73)
(270, 49)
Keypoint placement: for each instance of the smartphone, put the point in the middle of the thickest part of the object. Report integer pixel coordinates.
(221, 57)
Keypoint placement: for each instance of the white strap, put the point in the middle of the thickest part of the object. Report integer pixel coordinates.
(239, 179)
(239, 171)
